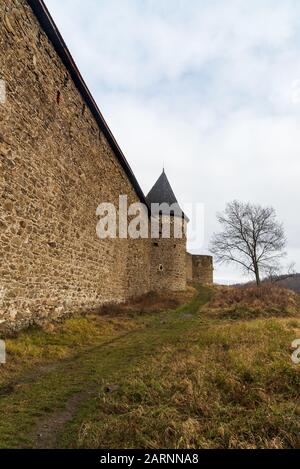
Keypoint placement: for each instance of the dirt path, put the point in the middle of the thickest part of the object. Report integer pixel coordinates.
(47, 431)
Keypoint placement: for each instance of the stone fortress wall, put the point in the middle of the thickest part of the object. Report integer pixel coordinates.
(189, 267)
(56, 165)
(202, 269)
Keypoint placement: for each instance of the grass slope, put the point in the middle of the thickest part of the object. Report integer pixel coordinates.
(183, 378)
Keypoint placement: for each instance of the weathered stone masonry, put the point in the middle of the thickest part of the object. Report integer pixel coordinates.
(202, 269)
(56, 166)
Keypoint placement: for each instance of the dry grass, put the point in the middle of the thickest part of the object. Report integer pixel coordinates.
(152, 302)
(219, 384)
(42, 345)
(224, 386)
(250, 301)
(184, 378)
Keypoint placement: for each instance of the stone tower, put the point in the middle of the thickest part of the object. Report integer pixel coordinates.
(168, 243)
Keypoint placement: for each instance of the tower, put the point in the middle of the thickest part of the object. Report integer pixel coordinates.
(168, 240)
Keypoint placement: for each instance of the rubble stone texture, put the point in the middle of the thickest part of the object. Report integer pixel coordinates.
(56, 166)
(202, 269)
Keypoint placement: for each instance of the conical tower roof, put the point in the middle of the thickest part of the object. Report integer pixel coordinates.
(162, 192)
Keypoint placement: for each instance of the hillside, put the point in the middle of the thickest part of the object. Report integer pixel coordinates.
(292, 283)
(270, 300)
(214, 372)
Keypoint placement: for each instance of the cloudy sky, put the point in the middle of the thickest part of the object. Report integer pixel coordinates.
(209, 88)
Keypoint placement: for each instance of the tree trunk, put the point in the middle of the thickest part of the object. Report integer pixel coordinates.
(257, 276)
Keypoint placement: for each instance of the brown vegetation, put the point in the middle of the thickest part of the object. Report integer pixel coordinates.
(250, 301)
(151, 302)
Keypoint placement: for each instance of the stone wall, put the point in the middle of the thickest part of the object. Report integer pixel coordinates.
(203, 269)
(168, 261)
(56, 167)
(189, 267)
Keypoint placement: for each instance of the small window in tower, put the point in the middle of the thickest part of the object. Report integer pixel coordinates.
(161, 268)
(155, 244)
(58, 97)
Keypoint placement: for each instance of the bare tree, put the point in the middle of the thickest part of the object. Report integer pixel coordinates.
(251, 237)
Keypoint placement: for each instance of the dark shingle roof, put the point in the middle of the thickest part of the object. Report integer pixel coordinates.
(162, 192)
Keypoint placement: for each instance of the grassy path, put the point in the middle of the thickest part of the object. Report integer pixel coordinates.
(180, 379)
(40, 405)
